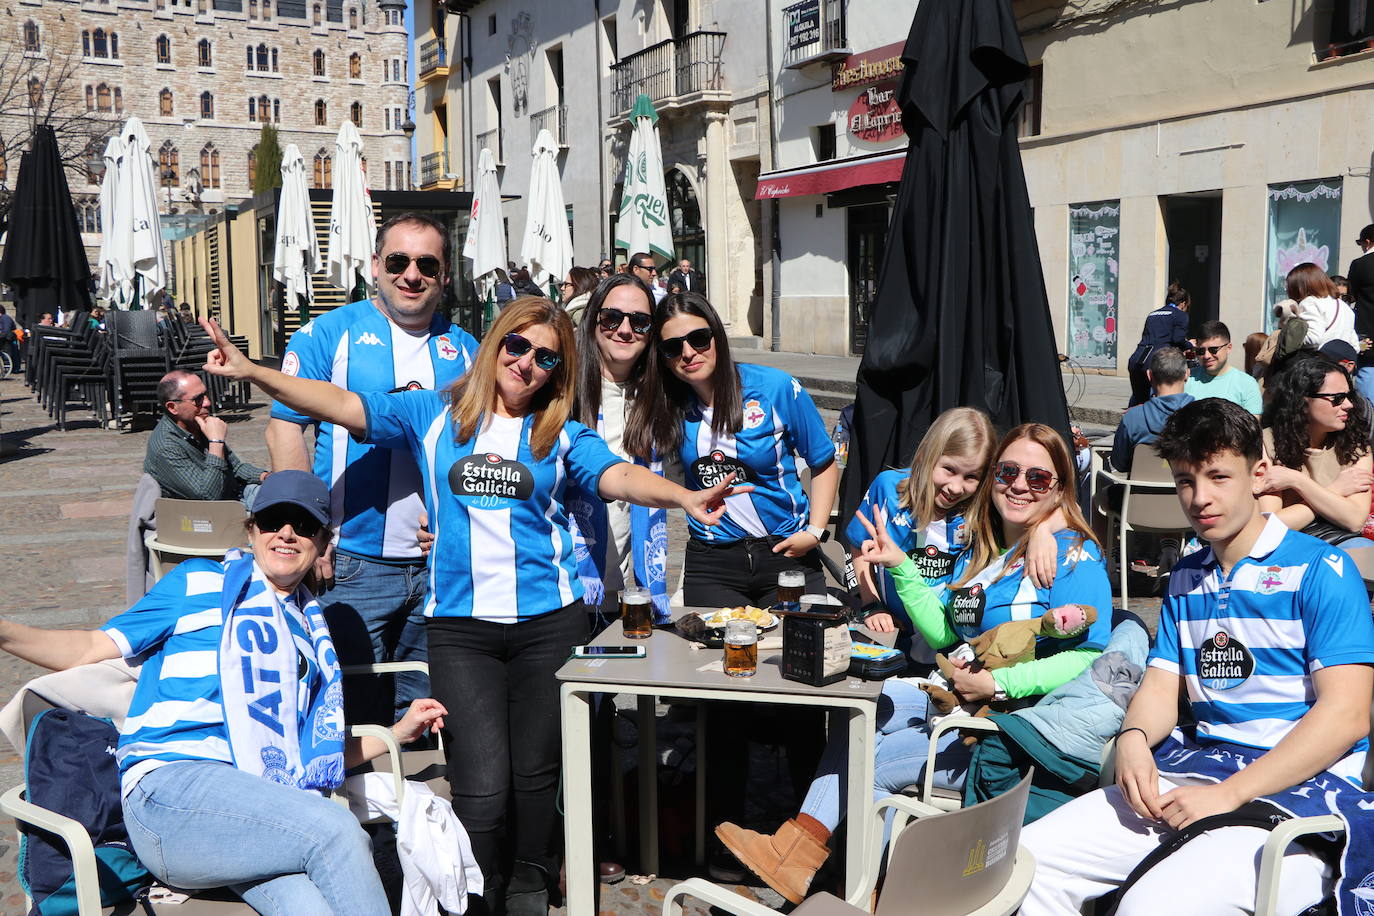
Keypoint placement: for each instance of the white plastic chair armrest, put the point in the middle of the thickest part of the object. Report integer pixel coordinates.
(1008, 899)
(1271, 859)
(971, 723)
(906, 808)
(393, 751)
(715, 895)
(1135, 483)
(78, 842)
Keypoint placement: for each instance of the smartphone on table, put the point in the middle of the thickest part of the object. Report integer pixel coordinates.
(608, 652)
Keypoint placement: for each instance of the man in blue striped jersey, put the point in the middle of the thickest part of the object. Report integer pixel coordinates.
(392, 342)
(1266, 634)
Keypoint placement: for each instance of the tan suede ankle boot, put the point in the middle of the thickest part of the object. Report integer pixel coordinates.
(787, 860)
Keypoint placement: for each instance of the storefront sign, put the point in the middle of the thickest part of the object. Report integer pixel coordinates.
(1094, 249)
(874, 168)
(875, 116)
(803, 24)
(1304, 227)
(868, 67)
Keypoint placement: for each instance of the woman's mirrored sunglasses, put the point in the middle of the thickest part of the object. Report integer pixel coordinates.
(518, 346)
(1038, 480)
(275, 518)
(1337, 398)
(397, 263)
(610, 320)
(700, 339)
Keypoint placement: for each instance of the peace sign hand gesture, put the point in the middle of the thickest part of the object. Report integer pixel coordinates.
(878, 547)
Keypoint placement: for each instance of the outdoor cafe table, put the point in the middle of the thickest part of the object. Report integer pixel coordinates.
(672, 669)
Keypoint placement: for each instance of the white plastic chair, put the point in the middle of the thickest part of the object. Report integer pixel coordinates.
(1149, 504)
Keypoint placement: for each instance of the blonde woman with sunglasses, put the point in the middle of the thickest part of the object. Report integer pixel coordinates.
(1031, 477)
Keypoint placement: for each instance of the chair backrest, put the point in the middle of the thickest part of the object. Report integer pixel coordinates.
(203, 523)
(1152, 508)
(954, 863)
(133, 330)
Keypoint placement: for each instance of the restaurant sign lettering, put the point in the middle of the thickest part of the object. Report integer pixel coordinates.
(875, 116)
(868, 67)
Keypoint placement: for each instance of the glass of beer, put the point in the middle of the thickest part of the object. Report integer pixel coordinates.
(636, 613)
(741, 648)
(791, 584)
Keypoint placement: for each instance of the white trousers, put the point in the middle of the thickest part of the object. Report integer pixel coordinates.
(1088, 847)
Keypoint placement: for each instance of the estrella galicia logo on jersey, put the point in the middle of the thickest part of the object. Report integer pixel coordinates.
(446, 348)
(932, 562)
(712, 469)
(1223, 662)
(490, 482)
(967, 606)
(291, 365)
(753, 414)
(367, 338)
(408, 386)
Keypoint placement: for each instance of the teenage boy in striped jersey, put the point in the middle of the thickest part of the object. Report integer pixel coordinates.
(1267, 636)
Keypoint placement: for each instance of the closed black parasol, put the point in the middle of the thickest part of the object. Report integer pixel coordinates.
(44, 261)
(960, 317)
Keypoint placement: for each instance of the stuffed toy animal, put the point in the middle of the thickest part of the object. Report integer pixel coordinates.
(1003, 646)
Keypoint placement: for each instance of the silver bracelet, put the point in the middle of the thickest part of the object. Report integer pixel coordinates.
(213, 441)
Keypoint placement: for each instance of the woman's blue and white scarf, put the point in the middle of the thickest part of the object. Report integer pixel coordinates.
(1325, 793)
(270, 735)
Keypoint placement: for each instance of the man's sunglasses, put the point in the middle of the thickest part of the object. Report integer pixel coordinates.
(427, 264)
(275, 518)
(700, 339)
(197, 400)
(1213, 351)
(518, 346)
(1337, 398)
(649, 267)
(1038, 480)
(610, 320)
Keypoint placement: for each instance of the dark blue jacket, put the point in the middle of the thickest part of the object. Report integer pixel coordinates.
(1143, 424)
(1166, 326)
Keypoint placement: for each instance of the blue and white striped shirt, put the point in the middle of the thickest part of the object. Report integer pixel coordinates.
(177, 711)
(375, 492)
(1246, 644)
(780, 423)
(502, 550)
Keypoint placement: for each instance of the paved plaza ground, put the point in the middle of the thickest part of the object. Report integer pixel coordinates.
(64, 506)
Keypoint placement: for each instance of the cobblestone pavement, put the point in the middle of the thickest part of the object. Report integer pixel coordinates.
(64, 505)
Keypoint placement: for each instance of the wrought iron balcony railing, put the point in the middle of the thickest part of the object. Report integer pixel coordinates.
(671, 69)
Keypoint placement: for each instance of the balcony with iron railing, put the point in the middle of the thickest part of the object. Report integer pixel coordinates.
(433, 59)
(434, 168)
(494, 140)
(554, 119)
(815, 32)
(674, 73)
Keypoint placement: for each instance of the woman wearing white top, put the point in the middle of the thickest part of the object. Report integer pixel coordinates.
(1327, 317)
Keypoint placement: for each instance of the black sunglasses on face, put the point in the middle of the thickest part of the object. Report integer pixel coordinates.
(649, 267)
(396, 263)
(518, 346)
(610, 319)
(197, 400)
(700, 339)
(1038, 480)
(1213, 351)
(275, 518)
(1337, 398)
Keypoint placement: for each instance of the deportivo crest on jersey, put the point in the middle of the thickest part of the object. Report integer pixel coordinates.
(446, 348)
(1270, 581)
(753, 414)
(1223, 662)
(369, 339)
(712, 469)
(490, 482)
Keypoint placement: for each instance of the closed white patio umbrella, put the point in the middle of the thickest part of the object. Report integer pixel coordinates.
(643, 224)
(111, 286)
(297, 252)
(485, 243)
(352, 227)
(137, 243)
(547, 247)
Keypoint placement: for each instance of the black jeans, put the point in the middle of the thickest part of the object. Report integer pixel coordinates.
(502, 730)
(742, 572)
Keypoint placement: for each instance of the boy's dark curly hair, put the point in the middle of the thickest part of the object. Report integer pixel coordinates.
(1206, 428)
(1286, 413)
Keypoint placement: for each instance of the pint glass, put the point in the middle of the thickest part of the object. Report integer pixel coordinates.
(741, 648)
(636, 613)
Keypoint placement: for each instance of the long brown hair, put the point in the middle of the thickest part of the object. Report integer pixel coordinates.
(965, 432)
(985, 522)
(474, 395)
(1307, 279)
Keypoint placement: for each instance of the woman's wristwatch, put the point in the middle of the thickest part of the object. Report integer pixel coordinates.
(820, 534)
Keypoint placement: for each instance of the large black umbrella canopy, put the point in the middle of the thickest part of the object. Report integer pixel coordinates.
(960, 317)
(44, 259)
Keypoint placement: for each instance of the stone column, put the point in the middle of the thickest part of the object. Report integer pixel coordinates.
(716, 179)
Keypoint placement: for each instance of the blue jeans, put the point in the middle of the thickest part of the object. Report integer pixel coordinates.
(375, 614)
(902, 745)
(199, 824)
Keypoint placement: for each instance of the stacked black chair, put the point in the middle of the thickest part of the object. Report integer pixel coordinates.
(74, 368)
(138, 361)
(189, 345)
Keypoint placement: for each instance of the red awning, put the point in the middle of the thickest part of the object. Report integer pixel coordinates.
(878, 168)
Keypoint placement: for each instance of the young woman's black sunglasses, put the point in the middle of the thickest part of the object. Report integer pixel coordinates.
(700, 339)
(275, 518)
(396, 263)
(610, 320)
(518, 346)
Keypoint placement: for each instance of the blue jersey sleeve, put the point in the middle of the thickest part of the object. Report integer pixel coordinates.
(805, 428)
(399, 419)
(1082, 579)
(306, 356)
(1335, 613)
(588, 456)
(1165, 654)
(882, 494)
(191, 587)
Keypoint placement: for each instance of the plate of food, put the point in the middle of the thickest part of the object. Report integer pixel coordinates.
(765, 620)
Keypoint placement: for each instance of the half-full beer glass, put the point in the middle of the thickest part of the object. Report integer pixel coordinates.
(636, 613)
(741, 648)
(791, 584)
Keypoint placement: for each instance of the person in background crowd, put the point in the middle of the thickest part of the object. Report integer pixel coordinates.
(96, 320)
(46, 321)
(1341, 353)
(641, 265)
(187, 454)
(1166, 326)
(1265, 641)
(522, 284)
(395, 341)
(222, 772)
(1142, 424)
(9, 337)
(497, 450)
(684, 279)
(186, 314)
(1316, 438)
(1327, 317)
(1214, 377)
(1342, 289)
(576, 290)
(1360, 278)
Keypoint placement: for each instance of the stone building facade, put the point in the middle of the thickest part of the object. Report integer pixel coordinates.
(205, 75)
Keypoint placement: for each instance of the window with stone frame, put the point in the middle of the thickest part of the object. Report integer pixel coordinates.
(323, 169)
(35, 92)
(33, 39)
(252, 9)
(164, 49)
(321, 113)
(252, 166)
(205, 55)
(355, 66)
(319, 62)
(276, 111)
(267, 10)
(274, 60)
(207, 106)
(102, 97)
(164, 103)
(90, 97)
(248, 65)
(316, 16)
(168, 164)
(118, 100)
(209, 166)
(355, 114)
(352, 19)
(252, 109)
